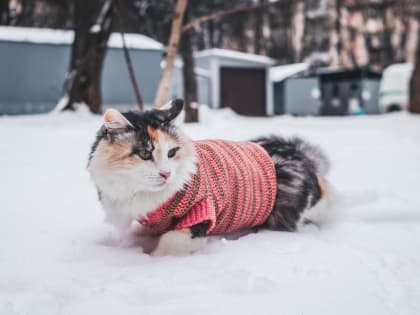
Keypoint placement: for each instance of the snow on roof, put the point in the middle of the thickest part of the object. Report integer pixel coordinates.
(136, 41)
(35, 35)
(65, 37)
(226, 53)
(279, 73)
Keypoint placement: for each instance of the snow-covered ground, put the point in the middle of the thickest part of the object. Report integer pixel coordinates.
(58, 257)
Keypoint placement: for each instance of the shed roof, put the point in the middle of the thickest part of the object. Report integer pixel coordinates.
(57, 37)
(279, 73)
(237, 55)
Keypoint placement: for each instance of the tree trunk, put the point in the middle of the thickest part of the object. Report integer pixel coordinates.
(388, 51)
(190, 82)
(415, 84)
(83, 84)
(4, 12)
(336, 31)
(60, 18)
(258, 19)
(298, 29)
(26, 16)
(265, 30)
(176, 30)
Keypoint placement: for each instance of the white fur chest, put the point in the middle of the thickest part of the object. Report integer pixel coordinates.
(120, 212)
(122, 193)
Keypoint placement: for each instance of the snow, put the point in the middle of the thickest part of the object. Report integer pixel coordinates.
(58, 257)
(227, 53)
(136, 41)
(179, 64)
(65, 37)
(96, 28)
(279, 73)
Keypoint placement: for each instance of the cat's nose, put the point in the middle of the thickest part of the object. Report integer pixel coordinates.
(164, 174)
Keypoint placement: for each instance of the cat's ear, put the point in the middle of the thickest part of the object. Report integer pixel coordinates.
(113, 120)
(170, 111)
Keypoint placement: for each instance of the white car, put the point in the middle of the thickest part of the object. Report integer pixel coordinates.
(394, 88)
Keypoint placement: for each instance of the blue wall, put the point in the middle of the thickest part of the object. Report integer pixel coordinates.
(116, 84)
(32, 76)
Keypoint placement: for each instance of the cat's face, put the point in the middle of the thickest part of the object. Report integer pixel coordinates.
(141, 151)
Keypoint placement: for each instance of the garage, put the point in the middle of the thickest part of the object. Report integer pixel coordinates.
(243, 90)
(238, 80)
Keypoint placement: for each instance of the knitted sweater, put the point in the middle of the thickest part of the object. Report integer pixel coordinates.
(234, 188)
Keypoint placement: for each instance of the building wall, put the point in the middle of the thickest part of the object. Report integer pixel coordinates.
(32, 76)
(116, 85)
(300, 98)
(371, 100)
(177, 87)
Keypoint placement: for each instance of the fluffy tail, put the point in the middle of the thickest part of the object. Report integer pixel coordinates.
(297, 149)
(313, 154)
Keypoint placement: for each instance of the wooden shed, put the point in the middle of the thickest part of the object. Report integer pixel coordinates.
(238, 80)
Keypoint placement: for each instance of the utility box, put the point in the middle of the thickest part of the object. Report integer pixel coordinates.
(349, 91)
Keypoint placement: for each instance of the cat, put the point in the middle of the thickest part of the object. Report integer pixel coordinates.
(145, 168)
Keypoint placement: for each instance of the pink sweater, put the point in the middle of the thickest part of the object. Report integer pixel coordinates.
(234, 188)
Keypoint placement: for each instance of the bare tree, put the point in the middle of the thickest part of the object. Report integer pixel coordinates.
(93, 24)
(4, 12)
(26, 14)
(190, 81)
(165, 79)
(415, 84)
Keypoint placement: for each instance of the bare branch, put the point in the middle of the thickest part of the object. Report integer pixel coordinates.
(128, 61)
(222, 13)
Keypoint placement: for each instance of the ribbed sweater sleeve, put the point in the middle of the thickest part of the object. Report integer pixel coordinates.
(202, 211)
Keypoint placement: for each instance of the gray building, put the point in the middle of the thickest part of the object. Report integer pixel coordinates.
(34, 63)
(293, 93)
(299, 90)
(349, 91)
(237, 80)
(227, 78)
(203, 83)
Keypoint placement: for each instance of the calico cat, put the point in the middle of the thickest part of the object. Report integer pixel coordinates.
(145, 168)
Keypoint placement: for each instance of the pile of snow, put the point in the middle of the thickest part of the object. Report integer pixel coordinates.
(58, 257)
(65, 37)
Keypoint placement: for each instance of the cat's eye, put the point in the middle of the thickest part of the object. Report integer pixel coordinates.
(144, 154)
(172, 152)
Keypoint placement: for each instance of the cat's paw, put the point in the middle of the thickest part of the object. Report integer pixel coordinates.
(178, 243)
